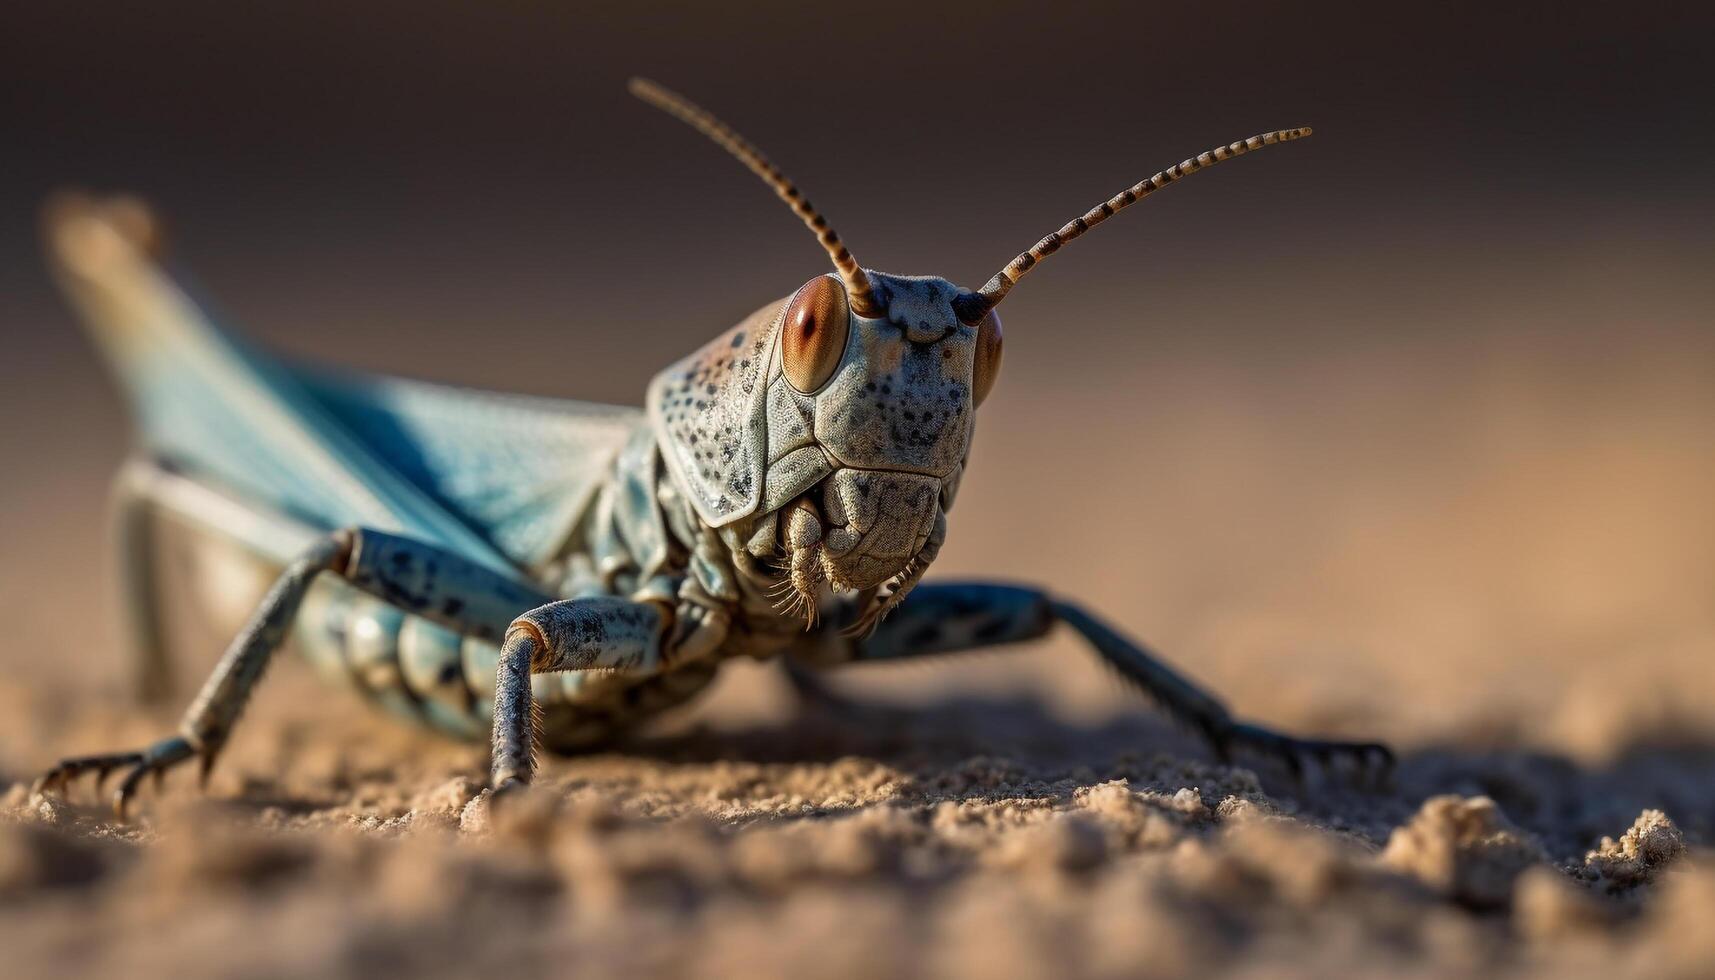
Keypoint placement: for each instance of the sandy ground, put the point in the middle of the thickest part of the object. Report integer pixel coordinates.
(1009, 815)
(1494, 552)
(980, 838)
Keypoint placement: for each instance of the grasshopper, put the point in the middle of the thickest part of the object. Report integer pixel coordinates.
(537, 571)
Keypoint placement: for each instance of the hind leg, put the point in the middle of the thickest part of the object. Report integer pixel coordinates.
(134, 526)
(146, 496)
(433, 583)
(210, 718)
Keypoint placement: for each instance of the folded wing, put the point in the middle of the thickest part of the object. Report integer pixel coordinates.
(499, 478)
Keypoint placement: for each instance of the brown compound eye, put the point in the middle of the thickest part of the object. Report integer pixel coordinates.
(817, 322)
(987, 367)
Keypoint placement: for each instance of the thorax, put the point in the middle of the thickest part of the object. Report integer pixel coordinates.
(642, 539)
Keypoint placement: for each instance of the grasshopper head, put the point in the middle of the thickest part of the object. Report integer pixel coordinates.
(837, 420)
(857, 426)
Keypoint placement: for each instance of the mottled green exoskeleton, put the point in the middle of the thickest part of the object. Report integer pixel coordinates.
(530, 569)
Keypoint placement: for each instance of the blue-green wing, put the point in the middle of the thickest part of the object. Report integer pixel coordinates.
(494, 477)
(519, 469)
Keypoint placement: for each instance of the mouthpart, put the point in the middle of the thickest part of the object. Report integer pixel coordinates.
(871, 532)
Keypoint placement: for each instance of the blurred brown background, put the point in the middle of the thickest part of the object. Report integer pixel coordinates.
(1403, 429)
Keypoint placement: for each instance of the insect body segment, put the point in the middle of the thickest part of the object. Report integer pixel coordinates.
(551, 572)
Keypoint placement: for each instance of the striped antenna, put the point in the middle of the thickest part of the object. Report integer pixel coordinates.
(996, 289)
(857, 283)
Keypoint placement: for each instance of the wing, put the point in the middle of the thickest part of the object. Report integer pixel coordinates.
(520, 470)
(494, 477)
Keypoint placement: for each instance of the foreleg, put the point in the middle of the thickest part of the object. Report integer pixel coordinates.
(947, 618)
(611, 634)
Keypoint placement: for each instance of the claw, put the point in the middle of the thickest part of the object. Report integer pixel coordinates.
(128, 788)
(1379, 760)
(1372, 761)
(154, 760)
(58, 779)
(1386, 761)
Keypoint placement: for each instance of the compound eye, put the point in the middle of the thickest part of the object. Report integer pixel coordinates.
(817, 322)
(987, 367)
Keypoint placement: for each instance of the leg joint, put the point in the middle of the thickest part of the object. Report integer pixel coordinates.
(522, 629)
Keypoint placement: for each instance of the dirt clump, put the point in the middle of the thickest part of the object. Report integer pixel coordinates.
(1463, 849)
